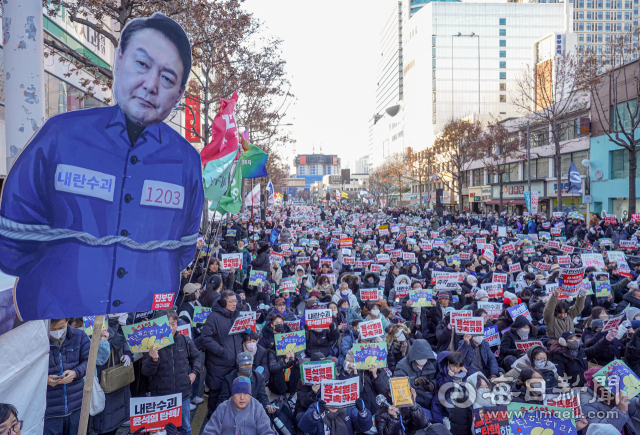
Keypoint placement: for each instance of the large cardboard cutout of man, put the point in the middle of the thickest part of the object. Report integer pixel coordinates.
(101, 210)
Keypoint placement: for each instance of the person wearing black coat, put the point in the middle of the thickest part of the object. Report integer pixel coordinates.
(372, 382)
(434, 317)
(572, 360)
(279, 363)
(258, 390)
(68, 357)
(307, 394)
(262, 258)
(116, 407)
(173, 369)
(259, 353)
(400, 421)
(322, 341)
(220, 347)
(521, 330)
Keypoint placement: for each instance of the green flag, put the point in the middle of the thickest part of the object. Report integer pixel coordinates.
(253, 162)
(232, 201)
(216, 175)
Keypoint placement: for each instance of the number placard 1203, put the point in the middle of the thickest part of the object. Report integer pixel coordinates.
(161, 194)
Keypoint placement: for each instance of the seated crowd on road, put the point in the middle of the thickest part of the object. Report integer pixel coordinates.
(478, 314)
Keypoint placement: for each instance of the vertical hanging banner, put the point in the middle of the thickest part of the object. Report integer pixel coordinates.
(192, 119)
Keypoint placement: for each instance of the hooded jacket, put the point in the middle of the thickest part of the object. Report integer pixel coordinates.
(365, 281)
(509, 339)
(353, 301)
(398, 279)
(481, 354)
(572, 367)
(627, 300)
(420, 349)
(437, 410)
(262, 259)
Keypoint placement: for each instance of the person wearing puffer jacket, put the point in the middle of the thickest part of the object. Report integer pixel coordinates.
(535, 358)
(521, 330)
(298, 275)
(631, 299)
(478, 356)
(420, 367)
(345, 292)
(401, 421)
(462, 417)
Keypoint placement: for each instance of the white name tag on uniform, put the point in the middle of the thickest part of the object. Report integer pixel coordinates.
(161, 194)
(81, 181)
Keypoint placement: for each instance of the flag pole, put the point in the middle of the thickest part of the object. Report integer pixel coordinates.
(252, 221)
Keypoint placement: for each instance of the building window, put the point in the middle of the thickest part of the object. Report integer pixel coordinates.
(624, 112)
(503, 21)
(539, 138)
(301, 170)
(478, 177)
(503, 86)
(581, 37)
(503, 98)
(565, 162)
(503, 75)
(503, 64)
(503, 43)
(61, 97)
(503, 54)
(539, 169)
(620, 164)
(503, 32)
(511, 173)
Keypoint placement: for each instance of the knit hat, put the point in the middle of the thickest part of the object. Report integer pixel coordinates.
(510, 299)
(241, 385)
(244, 358)
(481, 294)
(443, 295)
(191, 288)
(635, 324)
(539, 277)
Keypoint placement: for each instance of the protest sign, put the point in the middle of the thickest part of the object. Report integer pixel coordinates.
(371, 329)
(162, 301)
(614, 322)
(349, 261)
(564, 260)
(333, 279)
(409, 256)
(492, 335)
(200, 315)
(508, 247)
(499, 278)
(568, 249)
(141, 336)
(396, 253)
(338, 394)
(287, 284)
(382, 258)
(617, 377)
(617, 256)
(346, 242)
(594, 260)
(519, 310)
(515, 267)
(494, 289)
(470, 325)
(456, 314)
(231, 260)
(371, 294)
(245, 320)
(572, 278)
(402, 290)
(542, 423)
(603, 288)
(375, 268)
(327, 261)
(318, 320)
(88, 324)
(257, 277)
(367, 355)
(570, 400)
(493, 420)
(294, 325)
(627, 244)
(312, 372)
(184, 330)
(421, 298)
(400, 392)
(303, 260)
(290, 342)
(493, 309)
(488, 255)
(154, 413)
(526, 345)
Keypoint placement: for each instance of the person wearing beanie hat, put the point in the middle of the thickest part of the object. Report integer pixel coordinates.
(521, 330)
(510, 300)
(256, 381)
(482, 295)
(240, 414)
(571, 357)
(435, 316)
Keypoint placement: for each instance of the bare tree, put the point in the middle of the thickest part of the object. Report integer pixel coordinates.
(548, 92)
(385, 180)
(497, 149)
(615, 86)
(452, 149)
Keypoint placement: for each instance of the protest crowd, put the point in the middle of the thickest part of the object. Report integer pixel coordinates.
(348, 320)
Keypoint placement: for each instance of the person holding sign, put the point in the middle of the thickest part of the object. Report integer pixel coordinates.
(321, 420)
(558, 316)
(451, 370)
(392, 420)
(478, 356)
(173, 369)
(278, 364)
(521, 330)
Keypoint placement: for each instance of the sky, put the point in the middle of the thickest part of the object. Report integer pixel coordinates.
(331, 49)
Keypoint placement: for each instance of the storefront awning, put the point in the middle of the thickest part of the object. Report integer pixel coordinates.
(507, 202)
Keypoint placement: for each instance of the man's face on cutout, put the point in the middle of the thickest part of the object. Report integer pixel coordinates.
(147, 77)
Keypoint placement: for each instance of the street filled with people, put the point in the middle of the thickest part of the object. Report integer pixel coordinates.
(352, 320)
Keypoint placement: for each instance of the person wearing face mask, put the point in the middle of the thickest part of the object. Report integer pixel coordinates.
(259, 353)
(278, 364)
(462, 417)
(320, 341)
(420, 366)
(64, 395)
(558, 316)
(531, 387)
(173, 369)
(478, 356)
(398, 342)
(344, 292)
(390, 280)
(480, 296)
(245, 370)
(521, 330)
(535, 358)
(435, 316)
(451, 370)
(372, 312)
(571, 357)
(371, 280)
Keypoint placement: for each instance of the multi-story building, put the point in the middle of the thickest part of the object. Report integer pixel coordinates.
(312, 167)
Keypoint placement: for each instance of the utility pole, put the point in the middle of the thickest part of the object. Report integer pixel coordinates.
(24, 74)
(528, 159)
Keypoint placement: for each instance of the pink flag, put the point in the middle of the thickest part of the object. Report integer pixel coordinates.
(224, 132)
